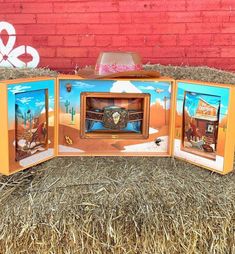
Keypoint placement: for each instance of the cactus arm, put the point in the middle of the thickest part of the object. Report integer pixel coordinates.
(66, 104)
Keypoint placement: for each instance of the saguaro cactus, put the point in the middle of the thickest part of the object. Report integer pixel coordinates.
(25, 119)
(66, 104)
(73, 113)
(30, 120)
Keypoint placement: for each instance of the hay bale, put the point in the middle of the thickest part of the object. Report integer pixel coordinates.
(202, 73)
(118, 204)
(14, 73)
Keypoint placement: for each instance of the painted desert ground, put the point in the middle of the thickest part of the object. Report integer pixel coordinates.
(221, 133)
(15, 165)
(159, 128)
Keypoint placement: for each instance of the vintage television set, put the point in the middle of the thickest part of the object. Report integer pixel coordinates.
(27, 128)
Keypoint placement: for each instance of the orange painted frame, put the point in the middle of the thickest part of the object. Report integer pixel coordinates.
(230, 133)
(146, 108)
(4, 140)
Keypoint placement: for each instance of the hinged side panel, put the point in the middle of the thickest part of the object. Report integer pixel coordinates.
(203, 124)
(31, 121)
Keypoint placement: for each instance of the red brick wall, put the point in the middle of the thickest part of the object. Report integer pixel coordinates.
(70, 33)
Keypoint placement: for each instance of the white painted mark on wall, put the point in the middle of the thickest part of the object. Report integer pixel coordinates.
(9, 56)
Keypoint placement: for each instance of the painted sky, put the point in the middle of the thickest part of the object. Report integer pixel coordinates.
(23, 93)
(33, 101)
(192, 101)
(157, 90)
(221, 92)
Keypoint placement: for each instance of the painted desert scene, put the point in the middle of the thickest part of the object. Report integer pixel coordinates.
(201, 124)
(31, 126)
(31, 123)
(70, 141)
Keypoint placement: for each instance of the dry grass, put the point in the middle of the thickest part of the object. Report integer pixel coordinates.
(202, 73)
(118, 205)
(10, 73)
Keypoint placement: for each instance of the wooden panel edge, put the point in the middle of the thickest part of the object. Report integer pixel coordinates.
(4, 152)
(230, 134)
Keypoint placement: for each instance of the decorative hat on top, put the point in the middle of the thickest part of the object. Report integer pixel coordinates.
(113, 62)
(118, 64)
